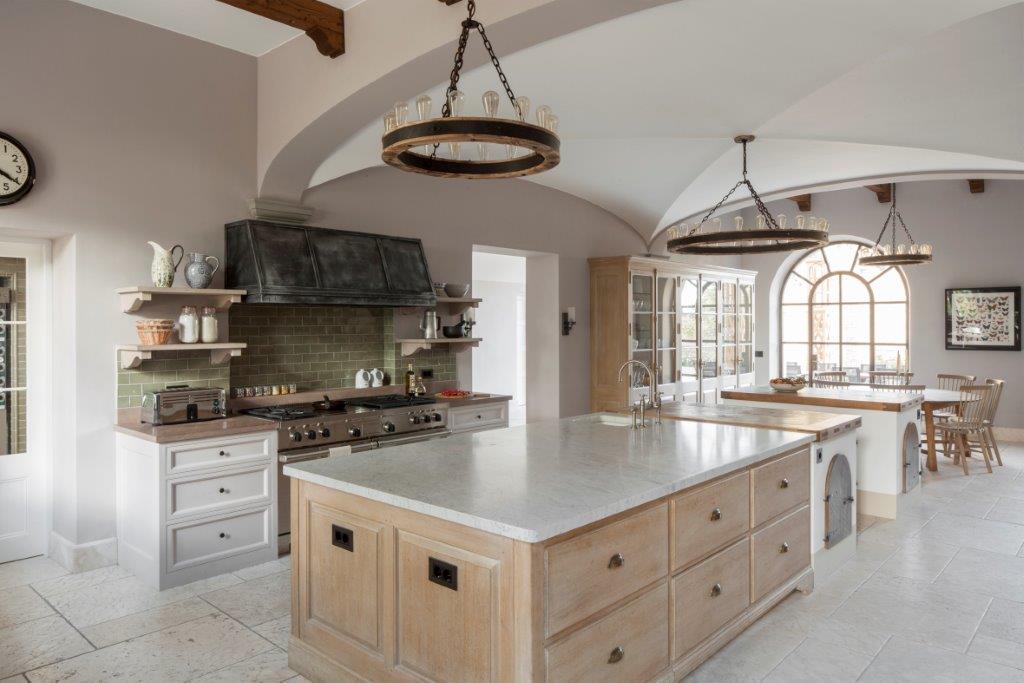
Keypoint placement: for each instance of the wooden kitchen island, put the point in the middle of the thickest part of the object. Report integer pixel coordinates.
(570, 550)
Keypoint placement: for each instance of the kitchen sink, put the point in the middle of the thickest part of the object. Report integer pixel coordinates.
(609, 419)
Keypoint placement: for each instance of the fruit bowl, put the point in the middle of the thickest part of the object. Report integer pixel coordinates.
(787, 385)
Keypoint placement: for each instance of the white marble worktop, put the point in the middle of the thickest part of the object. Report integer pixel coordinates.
(543, 479)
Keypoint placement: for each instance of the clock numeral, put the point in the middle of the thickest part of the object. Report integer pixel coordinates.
(7, 186)
(14, 158)
(18, 170)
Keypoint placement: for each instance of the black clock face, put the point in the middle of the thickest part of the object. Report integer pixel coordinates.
(17, 171)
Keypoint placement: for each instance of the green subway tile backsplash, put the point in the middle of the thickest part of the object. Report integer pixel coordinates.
(173, 367)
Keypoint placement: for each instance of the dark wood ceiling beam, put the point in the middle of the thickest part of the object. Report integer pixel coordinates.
(977, 186)
(883, 192)
(323, 23)
(803, 202)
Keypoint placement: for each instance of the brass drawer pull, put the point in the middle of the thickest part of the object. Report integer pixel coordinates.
(784, 548)
(784, 484)
(716, 514)
(617, 561)
(716, 590)
(616, 656)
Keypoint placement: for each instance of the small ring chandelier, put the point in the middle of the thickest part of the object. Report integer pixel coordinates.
(770, 234)
(415, 146)
(894, 254)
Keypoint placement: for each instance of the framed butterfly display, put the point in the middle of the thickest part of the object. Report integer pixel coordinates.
(983, 319)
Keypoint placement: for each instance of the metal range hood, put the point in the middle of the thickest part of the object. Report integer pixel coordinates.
(288, 264)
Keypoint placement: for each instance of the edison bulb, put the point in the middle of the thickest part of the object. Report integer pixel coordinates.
(423, 106)
(453, 147)
(523, 107)
(543, 111)
(401, 113)
(490, 100)
(456, 101)
(926, 249)
(389, 122)
(552, 123)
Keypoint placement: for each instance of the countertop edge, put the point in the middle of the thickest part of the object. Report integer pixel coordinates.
(128, 424)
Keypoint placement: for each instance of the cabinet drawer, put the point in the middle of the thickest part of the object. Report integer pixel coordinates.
(709, 519)
(594, 570)
(779, 486)
(196, 455)
(709, 595)
(630, 644)
(216, 491)
(779, 551)
(468, 418)
(192, 543)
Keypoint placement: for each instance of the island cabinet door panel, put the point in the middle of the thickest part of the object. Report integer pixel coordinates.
(707, 519)
(592, 571)
(343, 598)
(779, 486)
(709, 595)
(629, 644)
(779, 551)
(448, 611)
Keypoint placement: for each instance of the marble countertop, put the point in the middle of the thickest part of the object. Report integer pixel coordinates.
(128, 423)
(537, 481)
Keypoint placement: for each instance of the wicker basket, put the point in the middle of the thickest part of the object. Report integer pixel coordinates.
(154, 332)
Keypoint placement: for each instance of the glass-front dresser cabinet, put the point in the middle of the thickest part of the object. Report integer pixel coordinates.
(692, 325)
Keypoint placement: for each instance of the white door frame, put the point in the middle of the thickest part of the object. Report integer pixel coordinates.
(39, 363)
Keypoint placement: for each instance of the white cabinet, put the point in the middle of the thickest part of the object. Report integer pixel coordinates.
(195, 509)
(475, 418)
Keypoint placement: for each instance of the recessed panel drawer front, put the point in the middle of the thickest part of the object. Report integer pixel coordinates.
(192, 543)
(630, 644)
(709, 518)
(779, 551)
(779, 486)
(592, 571)
(474, 417)
(217, 491)
(188, 457)
(709, 595)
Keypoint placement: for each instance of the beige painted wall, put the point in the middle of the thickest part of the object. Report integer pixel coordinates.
(138, 134)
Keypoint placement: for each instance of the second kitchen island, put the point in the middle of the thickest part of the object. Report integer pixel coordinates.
(576, 549)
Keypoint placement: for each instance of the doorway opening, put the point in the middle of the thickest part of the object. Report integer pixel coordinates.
(499, 365)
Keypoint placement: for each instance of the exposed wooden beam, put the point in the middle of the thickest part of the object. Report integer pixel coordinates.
(883, 192)
(803, 202)
(977, 186)
(323, 23)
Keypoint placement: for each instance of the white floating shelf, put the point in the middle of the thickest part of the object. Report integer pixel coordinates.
(131, 355)
(411, 346)
(133, 298)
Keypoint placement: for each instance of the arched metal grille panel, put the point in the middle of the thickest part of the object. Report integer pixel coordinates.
(838, 500)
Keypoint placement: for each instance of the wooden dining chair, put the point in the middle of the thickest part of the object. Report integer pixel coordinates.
(969, 425)
(822, 383)
(897, 388)
(993, 405)
(949, 382)
(889, 377)
(832, 376)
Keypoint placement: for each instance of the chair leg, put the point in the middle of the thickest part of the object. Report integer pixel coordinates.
(985, 450)
(961, 441)
(995, 445)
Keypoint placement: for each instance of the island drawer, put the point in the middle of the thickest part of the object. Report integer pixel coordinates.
(779, 551)
(709, 518)
(214, 491)
(206, 540)
(592, 571)
(195, 455)
(779, 486)
(630, 644)
(709, 595)
(470, 418)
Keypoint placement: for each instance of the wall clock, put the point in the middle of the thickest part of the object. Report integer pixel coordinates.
(17, 170)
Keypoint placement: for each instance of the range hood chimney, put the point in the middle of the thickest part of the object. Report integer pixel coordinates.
(288, 264)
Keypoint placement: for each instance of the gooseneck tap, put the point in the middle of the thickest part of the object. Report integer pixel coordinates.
(641, 405)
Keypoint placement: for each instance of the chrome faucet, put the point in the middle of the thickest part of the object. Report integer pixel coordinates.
(641, 405)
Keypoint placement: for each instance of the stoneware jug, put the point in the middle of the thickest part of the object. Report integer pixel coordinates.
(164, 265)
(200, 269)
(362, 379)
(376, 377)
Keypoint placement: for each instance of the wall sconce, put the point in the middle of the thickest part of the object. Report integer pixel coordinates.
(568, 320)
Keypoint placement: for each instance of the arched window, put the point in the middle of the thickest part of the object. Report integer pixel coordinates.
(836, 314)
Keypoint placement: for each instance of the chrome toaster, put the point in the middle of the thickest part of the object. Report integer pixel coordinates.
(178, 404)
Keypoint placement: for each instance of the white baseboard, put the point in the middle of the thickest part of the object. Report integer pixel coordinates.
(84, 556)
(1008, 433)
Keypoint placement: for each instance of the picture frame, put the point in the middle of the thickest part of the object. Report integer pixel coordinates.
(983, 319)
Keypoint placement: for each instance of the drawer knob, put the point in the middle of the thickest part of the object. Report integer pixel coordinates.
(784, 484)
(617, 561)
(716, 590)
(784, 548)
(716, 514)
(616, 655)
(479, 417)
(223, 453)
(223, 490)
(223, 535)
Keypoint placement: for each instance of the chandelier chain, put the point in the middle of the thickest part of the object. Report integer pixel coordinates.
(893, 217)
(761, 208)
(497, 67)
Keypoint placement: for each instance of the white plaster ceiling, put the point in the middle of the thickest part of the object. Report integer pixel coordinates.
(835, 90)
(209, 20)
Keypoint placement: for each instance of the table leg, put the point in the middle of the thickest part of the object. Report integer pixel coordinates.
(929, 430)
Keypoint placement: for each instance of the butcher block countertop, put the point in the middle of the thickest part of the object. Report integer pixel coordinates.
(128, 423)
(823, 426)
(861, 399)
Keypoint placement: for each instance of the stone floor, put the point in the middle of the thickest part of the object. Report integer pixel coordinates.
(937, 595)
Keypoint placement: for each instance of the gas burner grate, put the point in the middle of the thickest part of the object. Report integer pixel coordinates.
(391, 401)
(281, 413)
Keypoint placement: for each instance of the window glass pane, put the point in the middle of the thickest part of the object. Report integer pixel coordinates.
(708, 327)
(868, 272)
(688, 363)
(729, 360)
(827, 291)
(746, 359)
(709, 297)
(794, 359)
(825, 323)
(856, 362)
(854, 290)
(812, 267)
(729, 327)
(688, 296)
(688, 331)
(747, 298)
(841, 255)
(796, 291)
(826, 356)
(13, 376)
(889, 287)
(794, 323)
(667, 294)
(709, 361)
(891, 323)
(886, 357)
(856, 322)
(746, 332)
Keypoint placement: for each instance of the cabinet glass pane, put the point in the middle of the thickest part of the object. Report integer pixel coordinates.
(688, 363)
(666, 366)
(666, 331)
(709, 361)
(642, 331)
(746, 298)
(729, 296)
(667, 294)
(688, 296)
(746, 360)
(729, 359)
(729, 327)
(643, 293)
(746, 325)
(709, 297)
(709, 328)
(688, 328)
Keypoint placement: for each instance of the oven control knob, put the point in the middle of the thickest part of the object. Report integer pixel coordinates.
(415, 419)
(389, 427)
(355, 432)
(311, 434)
(325, 432)
(437, 417)
(296, 436)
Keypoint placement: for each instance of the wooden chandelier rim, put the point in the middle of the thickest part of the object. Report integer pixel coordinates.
(723, 242)
(895, 259)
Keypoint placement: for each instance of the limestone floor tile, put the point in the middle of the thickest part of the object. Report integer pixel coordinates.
(1007, 510)
(955, 503)
(1001, 483)
(255, 602)
(70, 582)
(945, 482)
(20, 604)
(178, 653)
(268, 667)
(993, 574)
(895, 531)
(22, 572)
(276, 631)
(14, 679)
(919, 559)
(815, 661)
(260, 570)
(1004, 619)
(998, 650)
(968, 532)
(38, 642)
(149, 621)
(119, 598)
(750, 656)
(904, 660)
(891, 605)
